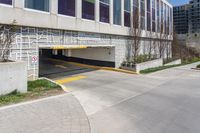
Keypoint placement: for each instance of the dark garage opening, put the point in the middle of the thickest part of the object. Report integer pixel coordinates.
(48, 66)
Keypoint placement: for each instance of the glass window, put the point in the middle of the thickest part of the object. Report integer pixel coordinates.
(142, 18)
(105, 11)
(165, 20)
(153, 16)
(127, 13)
(42, 5)
(148, 15)
(88, 7)
(135, 7)
(135, 20)
(162, 11)
(66, 7)
(8, 2)
(117, 12)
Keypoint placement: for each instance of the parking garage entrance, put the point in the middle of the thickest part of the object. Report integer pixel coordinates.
(61, 61)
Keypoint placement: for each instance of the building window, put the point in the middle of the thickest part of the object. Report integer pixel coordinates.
(162, 12)
(105, 11)
(42, 5)
(127, 13)
(153, 16)
(117, 12)
(135, 20)
(66, 7)
(142, 14)
(88, 7)
(165, 19)
(148, 15)
(8, 2)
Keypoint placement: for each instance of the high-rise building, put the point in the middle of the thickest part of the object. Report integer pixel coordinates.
(95, 30)
(187, 17)
(180, 15)
(194, 16)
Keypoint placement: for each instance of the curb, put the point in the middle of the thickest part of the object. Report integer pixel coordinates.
(62, 86)
(98, 67)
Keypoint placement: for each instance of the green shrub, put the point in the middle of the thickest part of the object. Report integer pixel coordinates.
(198, 66)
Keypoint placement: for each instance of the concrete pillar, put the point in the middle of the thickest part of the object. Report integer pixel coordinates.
(53, 6)
(111, 12)
(79, 9)
(18, 3)
(131, 13)
(53, 10)
(156, 15)
(139, 10)
(122, 12)
(97, 10)
(151, 13)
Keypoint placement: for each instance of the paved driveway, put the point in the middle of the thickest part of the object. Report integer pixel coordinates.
(163, 102)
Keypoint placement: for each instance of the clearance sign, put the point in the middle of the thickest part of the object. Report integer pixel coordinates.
(58, 47)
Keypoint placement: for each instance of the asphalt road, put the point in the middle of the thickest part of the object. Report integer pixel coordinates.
(163, 102)
(52, 68)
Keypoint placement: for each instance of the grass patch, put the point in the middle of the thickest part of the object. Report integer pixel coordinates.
(155, 69)
(41, 85)
(198, 66)
(184, 62)
(36, 89)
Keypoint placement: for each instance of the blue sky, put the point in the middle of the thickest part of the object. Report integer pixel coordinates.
(178, 2)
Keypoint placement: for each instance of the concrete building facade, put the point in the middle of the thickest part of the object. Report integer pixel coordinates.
(85, 29)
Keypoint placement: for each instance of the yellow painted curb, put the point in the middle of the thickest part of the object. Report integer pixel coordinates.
(97, 67)
(103, 68)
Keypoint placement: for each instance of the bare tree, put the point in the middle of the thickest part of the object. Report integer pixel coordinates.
(152, 45)
(7, 36)
(161, 43)
(176, 47)
(135, 31)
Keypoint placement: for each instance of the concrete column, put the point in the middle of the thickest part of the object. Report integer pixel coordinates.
(53, 6)
(79, 9)
(131, 13)
(156, 15)
(97, 10)
(111, 11)
(18, 3)
(122, 12)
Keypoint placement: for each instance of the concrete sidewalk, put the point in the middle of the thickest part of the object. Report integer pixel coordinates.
(58, 114)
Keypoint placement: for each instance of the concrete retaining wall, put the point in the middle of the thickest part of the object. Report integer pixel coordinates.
(176, 62)
(13, 77)
(149, 64)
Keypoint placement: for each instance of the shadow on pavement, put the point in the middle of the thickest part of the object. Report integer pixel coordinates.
(54, 69)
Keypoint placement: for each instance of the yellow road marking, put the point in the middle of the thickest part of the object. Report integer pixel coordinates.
(70, 79)
(61, 66)
(97, 67)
